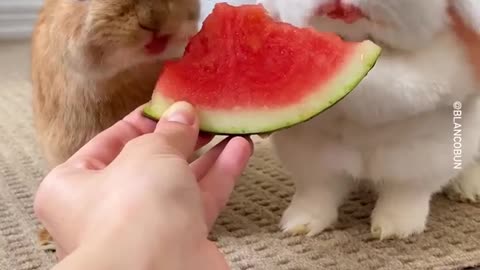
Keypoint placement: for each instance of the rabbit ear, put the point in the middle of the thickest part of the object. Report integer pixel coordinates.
(466, 22)
(468, 11)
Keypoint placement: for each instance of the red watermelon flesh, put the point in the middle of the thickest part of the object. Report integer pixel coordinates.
(248, 74)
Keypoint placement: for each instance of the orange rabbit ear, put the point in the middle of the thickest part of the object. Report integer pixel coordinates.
(467, 28)
(468, 11)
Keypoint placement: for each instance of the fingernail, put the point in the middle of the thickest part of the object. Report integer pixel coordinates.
(180, 112)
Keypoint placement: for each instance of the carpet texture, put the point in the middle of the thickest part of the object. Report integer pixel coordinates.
(247, 231)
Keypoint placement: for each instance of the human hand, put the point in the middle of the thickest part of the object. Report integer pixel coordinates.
(130, 196)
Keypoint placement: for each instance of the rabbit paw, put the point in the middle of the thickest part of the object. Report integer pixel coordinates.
(467, 187)
(388, 226)
(399, 218)
(45, 240)
(307, 218)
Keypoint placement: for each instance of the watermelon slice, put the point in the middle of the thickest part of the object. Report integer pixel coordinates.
(248, 74)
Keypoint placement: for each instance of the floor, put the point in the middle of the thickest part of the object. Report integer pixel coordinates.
(14, 59)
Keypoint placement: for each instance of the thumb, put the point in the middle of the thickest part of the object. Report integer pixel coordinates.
(176, 133)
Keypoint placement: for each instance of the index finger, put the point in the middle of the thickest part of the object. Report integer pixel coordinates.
(104, 147)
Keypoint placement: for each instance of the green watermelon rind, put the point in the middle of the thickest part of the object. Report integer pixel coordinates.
(258, 121)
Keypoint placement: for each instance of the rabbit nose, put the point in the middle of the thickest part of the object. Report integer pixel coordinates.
(152, 15)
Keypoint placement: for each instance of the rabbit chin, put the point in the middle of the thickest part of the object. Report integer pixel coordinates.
(405, 25)
(385, 36)
(127, 58)
(399, 24)
(122, 60)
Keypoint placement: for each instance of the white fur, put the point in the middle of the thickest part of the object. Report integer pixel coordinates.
(467, 187)
(396, 129)
(296, 13)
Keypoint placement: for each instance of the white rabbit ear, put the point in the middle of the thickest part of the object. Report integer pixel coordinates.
(469, 12)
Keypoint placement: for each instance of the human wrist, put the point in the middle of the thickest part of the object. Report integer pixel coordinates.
(120, 253)
(94, 258)
(90, 258)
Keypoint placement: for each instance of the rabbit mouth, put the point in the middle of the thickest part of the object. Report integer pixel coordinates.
(158, 44)
(372, 38)
(338, 11)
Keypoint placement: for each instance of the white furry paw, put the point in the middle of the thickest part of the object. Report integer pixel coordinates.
(399, 218)
(467, 187)
(306, 218)
(386, 226)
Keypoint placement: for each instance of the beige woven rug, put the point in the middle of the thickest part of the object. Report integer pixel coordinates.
(247, 231)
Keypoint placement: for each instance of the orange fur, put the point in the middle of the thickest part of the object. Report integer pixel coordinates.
(465, 17)
(470, 38)
(89, 67)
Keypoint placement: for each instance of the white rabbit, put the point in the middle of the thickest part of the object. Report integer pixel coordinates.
(397, 129)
